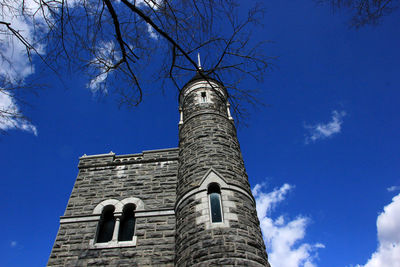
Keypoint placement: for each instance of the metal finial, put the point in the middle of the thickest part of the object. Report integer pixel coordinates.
(198, 60)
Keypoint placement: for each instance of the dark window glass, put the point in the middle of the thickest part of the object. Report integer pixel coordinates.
(106, 227)
(203, 97)
(127, 226)
(215, 203)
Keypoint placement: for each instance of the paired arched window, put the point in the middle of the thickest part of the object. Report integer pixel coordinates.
(106, 226)
(214, 196)
(127, 227)
(116, 226)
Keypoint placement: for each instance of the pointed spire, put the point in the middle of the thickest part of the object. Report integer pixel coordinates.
(198, 60)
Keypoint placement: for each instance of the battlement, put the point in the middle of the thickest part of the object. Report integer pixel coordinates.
(111, 159)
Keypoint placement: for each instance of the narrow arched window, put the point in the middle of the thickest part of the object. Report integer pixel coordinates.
(203, 97)
(127, 227)
(106, 226)
(214, 195)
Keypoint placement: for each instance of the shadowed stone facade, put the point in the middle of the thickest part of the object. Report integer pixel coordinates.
(150, 177)
(170, 192)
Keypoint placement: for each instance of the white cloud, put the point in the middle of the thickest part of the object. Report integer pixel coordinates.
(24, 17)
(8, 106)
(393, 188)
(154, 4)
(323, 131)
(13, 244)
(96, 84)
(388, 252)
(283, 238)
(14, 60)
(152, 32)
(12, 50)
(105, 58)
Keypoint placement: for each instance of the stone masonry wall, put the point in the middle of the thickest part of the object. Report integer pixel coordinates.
(150, 176)
(240, 244)
(208, 141)
(173, 227)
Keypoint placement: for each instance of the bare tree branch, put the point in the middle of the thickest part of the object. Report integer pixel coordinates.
(365, 12)
(117, 42)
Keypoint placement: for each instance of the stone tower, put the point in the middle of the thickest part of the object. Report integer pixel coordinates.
(186, 206)
(216, 220)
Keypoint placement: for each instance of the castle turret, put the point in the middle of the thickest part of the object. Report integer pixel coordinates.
(186, 206)
(216, 220)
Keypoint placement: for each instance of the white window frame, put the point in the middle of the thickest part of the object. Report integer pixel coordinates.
(118, 205)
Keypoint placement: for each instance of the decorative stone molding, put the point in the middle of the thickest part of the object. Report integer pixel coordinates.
(200, 194)
(212, 176)
(228, 111)
(180, 116)
(139, 205)
(119, 205)
(109, 202)
(201, 85)
(113, 244)
(77, 219)
(153, 213)
(111, 159)
(201, 113)
(111, 154)
(96, 217)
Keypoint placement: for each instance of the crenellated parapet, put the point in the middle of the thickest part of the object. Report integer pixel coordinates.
(111, 159)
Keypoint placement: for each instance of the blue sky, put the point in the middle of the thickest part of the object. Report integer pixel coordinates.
(321, 156)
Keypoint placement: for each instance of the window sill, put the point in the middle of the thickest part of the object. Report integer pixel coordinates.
(223, 224)
(113, 244)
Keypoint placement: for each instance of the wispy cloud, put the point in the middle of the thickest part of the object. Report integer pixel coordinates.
(152, 32)
(13, 244)
(283, 237)
(103, 62)
(14, 61)
(8, 121)
(325, 130)
(393, 188)
(387, 224)
(152, 4)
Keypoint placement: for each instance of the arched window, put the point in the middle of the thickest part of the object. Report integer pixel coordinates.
(214, 195)
(127, 226)
(106, 226)
(203, 97)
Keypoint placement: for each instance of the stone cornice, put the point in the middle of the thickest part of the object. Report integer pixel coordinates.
(96, 217)
(147, 156)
